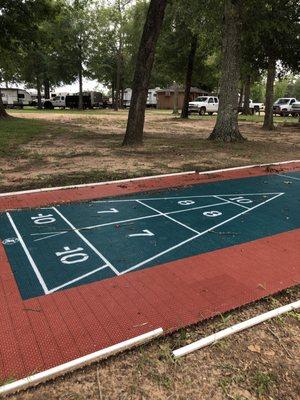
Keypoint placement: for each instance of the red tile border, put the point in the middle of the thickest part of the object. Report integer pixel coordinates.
(41, 333)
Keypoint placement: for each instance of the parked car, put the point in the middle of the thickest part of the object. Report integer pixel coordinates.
(295, 109)
(283, 106)
(254, 107)
(204, 104)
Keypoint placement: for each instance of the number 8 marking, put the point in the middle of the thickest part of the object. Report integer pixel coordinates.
(212, 213)
(186, 202)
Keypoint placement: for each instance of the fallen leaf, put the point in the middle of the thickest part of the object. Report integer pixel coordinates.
(270, 353)
(254, 348)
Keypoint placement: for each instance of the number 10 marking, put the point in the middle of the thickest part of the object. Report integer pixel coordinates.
(69, 256)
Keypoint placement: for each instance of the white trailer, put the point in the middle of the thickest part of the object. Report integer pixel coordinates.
(15, 98)
(151, 98)
(127, 97)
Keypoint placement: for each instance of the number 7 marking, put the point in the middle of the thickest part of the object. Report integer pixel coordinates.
(111, 210)
(146, 232)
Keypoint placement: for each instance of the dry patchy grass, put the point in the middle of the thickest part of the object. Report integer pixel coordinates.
(76, 148)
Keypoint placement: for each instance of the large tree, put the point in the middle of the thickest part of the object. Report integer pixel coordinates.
(272, 42)
(226, 128)
(144, 64)
(19, 23)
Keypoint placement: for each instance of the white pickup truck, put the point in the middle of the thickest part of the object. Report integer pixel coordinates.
(283, 106)
(204, 104)
(295, 110)
(210, 105)
(254, 107)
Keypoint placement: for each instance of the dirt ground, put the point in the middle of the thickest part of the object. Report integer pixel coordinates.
(76, 148)
(261, 363)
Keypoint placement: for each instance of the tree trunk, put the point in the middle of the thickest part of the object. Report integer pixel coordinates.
(241, 98)
(143, 68)
(122, 97)
(189, 76)
(47, 88)
(80, 101)
(226, 128)
(246, 107)
(118, 78)
(268, 119)
(3, 113)
(113, 92)
(175, 99)
(39, 95)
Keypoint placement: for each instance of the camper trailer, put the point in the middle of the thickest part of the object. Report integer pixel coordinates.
(90, 100)
(15, 98)
(127, 97)
(151, 98)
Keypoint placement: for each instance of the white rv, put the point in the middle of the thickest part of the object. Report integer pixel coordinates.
(15, 98)
(127, 97)
(151, 98)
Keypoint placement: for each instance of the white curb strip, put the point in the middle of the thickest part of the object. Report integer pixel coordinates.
(142, 178)
(234, 329)
(78, 363)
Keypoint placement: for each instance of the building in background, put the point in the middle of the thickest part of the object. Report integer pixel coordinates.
(165, 97)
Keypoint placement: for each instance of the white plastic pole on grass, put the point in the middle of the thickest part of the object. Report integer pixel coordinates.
(234, 329)
(78, 363)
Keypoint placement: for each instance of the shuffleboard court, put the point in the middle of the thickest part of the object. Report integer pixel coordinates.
(86, 274)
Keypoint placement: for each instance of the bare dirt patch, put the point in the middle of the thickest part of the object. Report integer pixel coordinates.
(88, 148)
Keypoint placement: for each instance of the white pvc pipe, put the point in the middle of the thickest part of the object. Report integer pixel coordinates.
(142, 178)
(247, 166)
(234, 329)
(78, 363)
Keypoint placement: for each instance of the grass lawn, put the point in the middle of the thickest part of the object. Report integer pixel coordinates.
(18, 131)
(67, 147)
(53, 148)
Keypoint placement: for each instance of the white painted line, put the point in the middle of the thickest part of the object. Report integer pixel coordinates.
(78, 363)
(232, 202)
(290, 177)
(181, 197)
(30, 259)
(78, 279)
(198, 235)
(144, 178)
(159, 254)
(49, 235)
(145, 217)
(123, 221)
(235, 328)
(167, 216)
(86, 241)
